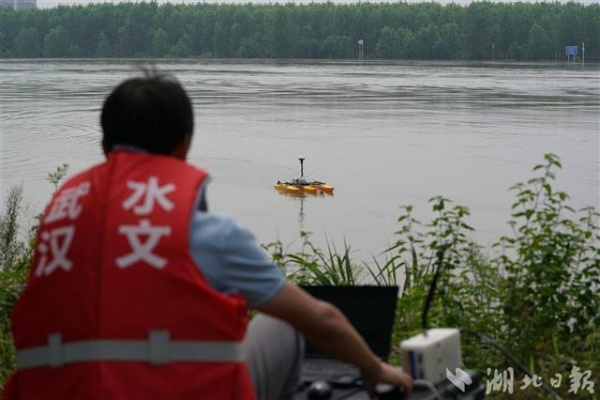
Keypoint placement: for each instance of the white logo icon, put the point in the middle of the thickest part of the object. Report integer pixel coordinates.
(459, 379)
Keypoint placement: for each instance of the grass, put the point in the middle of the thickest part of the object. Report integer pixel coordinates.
(15, 257)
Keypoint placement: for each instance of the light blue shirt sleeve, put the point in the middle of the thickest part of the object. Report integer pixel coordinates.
(231, 259)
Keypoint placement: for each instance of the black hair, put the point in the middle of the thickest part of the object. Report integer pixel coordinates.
(152, 112)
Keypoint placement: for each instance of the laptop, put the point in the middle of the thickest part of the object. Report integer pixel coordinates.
(371, 310)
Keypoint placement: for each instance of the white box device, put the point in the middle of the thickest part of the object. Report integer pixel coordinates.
(428, 357)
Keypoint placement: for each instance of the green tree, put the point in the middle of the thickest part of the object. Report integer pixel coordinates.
(182, 47)
(540, 45)
(158, 43)
(136, 21)
(125, 46)
(103, 46)
(27, 43)
(5, 50)
(251, 47)
(570, 26)
(407, 43)
(480, 21)
(285, 32)
(10, 29)
(310, 46)
(518, 30)
(426, 42)
(56, 43)
(516, 51)
(339, 47)
(448, 45)
(220, 39)
(389, 45)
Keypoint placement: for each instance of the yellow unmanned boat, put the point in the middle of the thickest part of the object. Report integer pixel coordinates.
(322, 187)
(299, 186)
(288, 188)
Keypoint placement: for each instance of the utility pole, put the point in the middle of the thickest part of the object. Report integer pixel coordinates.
(361, 50)
(493, 53)
(582, 52)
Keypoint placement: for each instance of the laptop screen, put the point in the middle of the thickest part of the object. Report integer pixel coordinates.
(370, 309)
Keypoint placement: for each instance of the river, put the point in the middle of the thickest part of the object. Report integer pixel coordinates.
(384, 134)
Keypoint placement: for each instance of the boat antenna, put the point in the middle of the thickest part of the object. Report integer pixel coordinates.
(301, 166)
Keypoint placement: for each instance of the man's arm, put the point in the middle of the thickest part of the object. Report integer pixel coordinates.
(327, 327)
(232, 262)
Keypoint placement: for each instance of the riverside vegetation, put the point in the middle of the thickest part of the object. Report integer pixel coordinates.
(480, 30)
(530, 302)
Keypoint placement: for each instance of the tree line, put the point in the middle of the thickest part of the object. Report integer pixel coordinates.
(427, 31)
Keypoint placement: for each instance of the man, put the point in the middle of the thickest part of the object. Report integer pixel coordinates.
(137, 292)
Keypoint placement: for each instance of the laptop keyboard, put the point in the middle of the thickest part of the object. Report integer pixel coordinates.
(329, 370)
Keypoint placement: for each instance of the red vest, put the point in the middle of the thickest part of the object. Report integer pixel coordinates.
(115, 307)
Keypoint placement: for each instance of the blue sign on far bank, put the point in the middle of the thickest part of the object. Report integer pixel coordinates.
(571, 50)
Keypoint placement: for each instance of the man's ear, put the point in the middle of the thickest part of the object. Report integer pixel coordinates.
(105, 149)
(181, 150)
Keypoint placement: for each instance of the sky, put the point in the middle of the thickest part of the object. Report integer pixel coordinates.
(53, 3)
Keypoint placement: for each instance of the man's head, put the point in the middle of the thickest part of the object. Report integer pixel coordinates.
(152, 112)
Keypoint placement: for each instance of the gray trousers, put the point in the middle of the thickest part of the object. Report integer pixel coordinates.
(273, 351)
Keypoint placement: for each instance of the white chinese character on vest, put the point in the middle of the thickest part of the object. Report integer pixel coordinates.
(142, 201)
(143, 251)
(150, 193)
(54, 244)
(66, 203)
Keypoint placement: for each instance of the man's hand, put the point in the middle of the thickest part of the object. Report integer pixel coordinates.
(387, 374)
